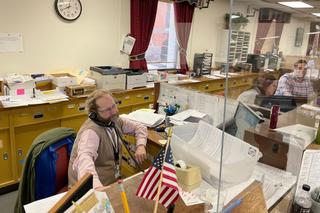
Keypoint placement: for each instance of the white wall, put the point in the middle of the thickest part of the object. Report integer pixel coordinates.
(288, 36)
(53, 44)
(207, 24)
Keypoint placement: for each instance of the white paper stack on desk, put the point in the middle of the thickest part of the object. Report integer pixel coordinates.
(200, 144)
(146, 117)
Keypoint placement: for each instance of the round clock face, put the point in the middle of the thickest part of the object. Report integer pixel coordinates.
(69, 10)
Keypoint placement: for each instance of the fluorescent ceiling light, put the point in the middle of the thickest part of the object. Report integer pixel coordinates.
(234, 16)
(313, 33)
(269, 37)
(316, 14)
(295, 4)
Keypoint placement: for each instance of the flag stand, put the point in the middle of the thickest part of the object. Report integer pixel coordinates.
(161, 174)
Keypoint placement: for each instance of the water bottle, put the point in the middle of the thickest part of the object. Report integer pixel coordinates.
(274, 116)
(302, 202)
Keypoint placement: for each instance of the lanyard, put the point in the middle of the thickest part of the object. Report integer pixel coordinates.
(115, 144)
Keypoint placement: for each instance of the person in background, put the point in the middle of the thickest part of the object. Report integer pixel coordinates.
(263, 85)
(295, 83)
(97, 147)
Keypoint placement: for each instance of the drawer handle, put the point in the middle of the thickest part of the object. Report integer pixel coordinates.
(118, 102)
(20, 152)
(207, 86)
(5, 156)
(234, 82)
(146, 97)
(275, 148)
(81, 109)
(38, 115)
(221, 85)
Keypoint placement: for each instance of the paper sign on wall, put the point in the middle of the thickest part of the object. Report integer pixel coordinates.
(128, 43)
(11, 42)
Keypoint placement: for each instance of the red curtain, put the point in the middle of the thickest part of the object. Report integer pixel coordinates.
(183, 13)
(262, 32)
(143, 15)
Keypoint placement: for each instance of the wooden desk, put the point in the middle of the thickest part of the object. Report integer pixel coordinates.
(253, 201)
(19, 126)
(271, 142)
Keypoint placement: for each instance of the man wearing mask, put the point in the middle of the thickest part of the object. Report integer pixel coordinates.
(97, 148)
(295, 83)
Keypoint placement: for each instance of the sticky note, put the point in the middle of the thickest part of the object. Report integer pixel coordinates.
(20, 91)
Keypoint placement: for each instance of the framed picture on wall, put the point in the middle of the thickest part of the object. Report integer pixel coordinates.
(299, 37)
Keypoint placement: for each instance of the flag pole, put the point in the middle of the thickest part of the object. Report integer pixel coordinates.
(161, 173)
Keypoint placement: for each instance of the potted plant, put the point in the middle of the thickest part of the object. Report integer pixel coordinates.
(238, 20)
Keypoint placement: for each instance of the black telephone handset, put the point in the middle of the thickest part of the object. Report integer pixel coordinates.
(94, 117)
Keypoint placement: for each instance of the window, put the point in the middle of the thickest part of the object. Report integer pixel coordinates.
(163, 49)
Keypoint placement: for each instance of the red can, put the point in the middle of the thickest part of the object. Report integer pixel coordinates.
(274, 116)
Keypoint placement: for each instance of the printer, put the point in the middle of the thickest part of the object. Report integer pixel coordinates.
(136, 78)
(108, 77)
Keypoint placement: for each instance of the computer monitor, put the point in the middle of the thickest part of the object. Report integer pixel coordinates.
(244, 118)
(257, 61)
(286, 103)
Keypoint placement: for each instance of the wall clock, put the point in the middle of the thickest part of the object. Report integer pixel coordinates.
(69, 10)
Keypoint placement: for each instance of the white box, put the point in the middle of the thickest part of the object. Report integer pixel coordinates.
(134, 81)
(63, 79)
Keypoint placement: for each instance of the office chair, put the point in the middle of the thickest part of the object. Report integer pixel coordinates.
(45, 172)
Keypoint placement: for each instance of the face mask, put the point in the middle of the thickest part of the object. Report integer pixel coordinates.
(298, 73)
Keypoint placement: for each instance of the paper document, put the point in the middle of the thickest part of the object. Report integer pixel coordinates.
(43, 205)
(298, 134)
(195, 196)
(51, 96)
(189, 114)
(148, 119)
(275, 182)
(310, 107)
(200, 144)
(310, 169)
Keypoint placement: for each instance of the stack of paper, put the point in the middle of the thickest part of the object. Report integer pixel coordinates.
(187, 115)
(147, 118)
(298, 134)
(52, 96)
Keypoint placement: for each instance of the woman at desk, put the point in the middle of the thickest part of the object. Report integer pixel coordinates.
(263, 85)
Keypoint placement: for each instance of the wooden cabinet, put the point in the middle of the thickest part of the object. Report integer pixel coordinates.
(6, 158)
(20, 126)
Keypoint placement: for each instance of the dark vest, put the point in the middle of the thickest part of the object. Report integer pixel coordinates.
(104, 164)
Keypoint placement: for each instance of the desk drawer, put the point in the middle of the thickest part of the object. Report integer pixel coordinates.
(4, 119)
(134, 98)
(244, 81)
(36, 114)
(74, 107)
(6, 159)
(206, 87)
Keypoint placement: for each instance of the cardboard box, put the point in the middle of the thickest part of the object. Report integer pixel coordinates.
(80, 90)
(63, 79)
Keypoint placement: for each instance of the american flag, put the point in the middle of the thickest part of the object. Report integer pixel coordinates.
(169, 187)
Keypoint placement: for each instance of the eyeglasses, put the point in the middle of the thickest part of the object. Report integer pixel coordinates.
(113, 106)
